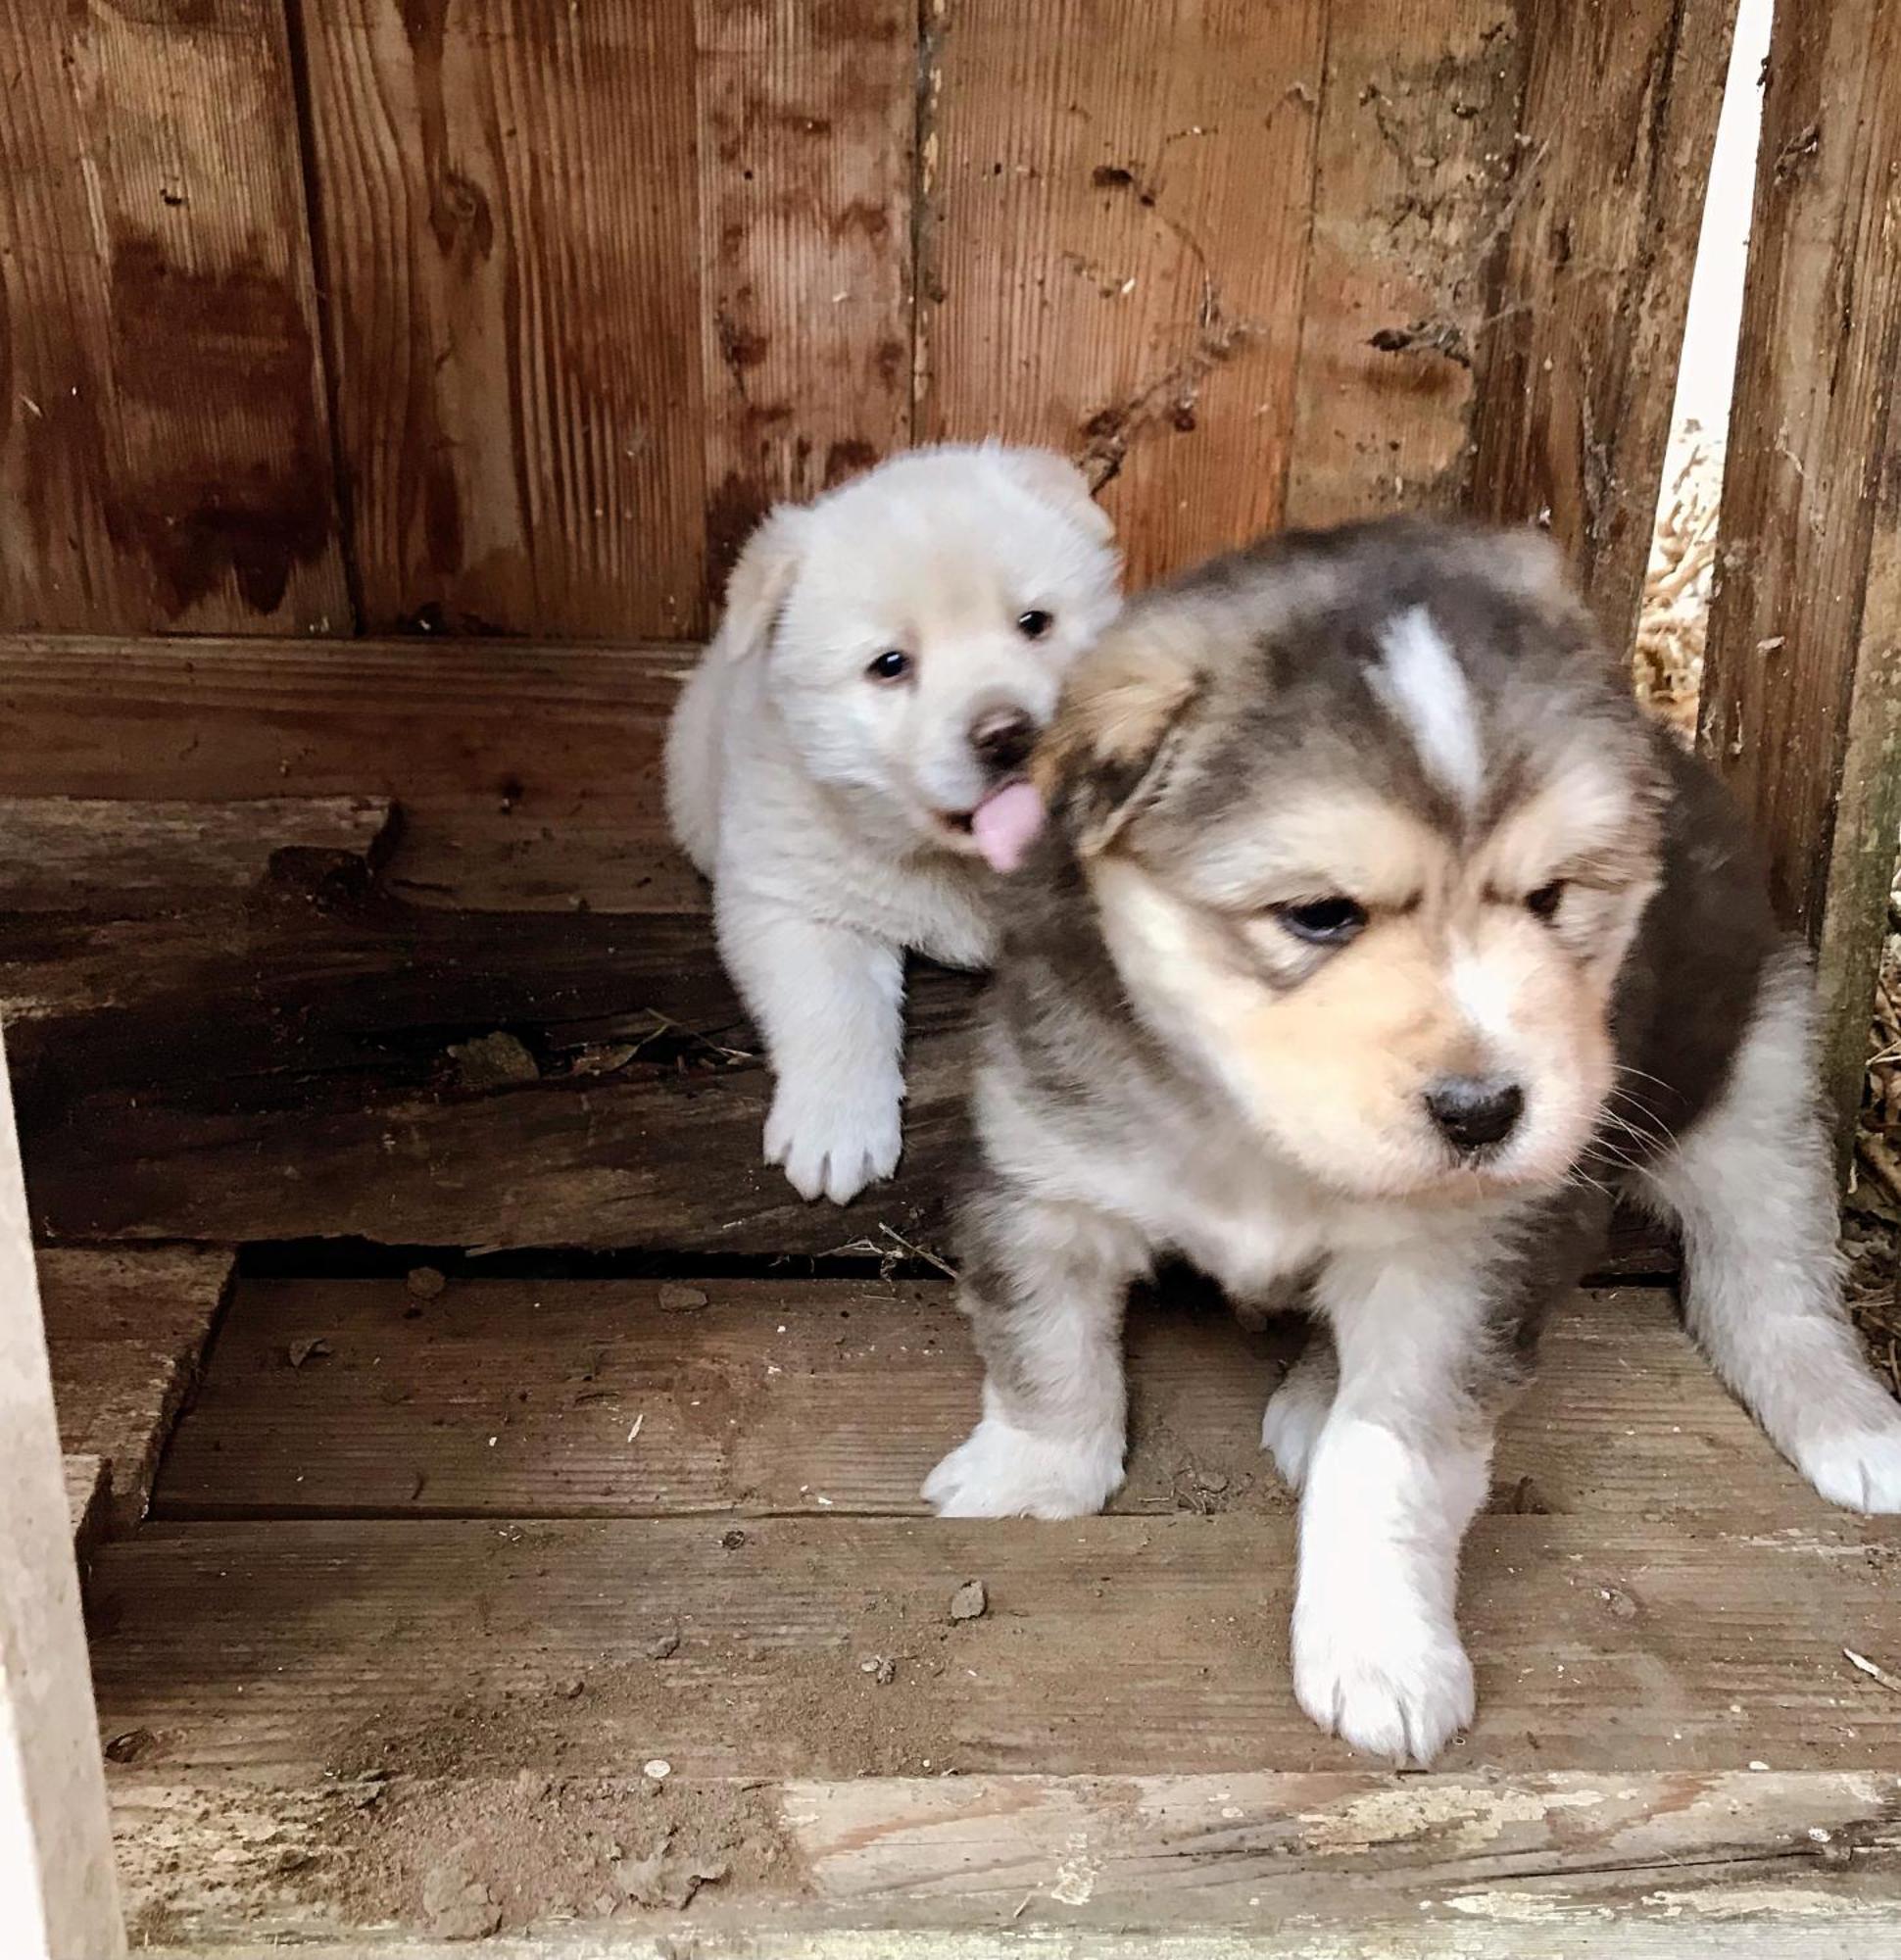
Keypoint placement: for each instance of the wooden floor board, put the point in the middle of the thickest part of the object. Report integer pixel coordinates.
(632, 1397)
(111, 858)
(1119, 1644)
(126, 1331)
(289, 1071)
(237, 1024)
(1322, 1867)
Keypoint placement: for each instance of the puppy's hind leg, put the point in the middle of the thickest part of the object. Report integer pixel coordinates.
(1753, 1185)
(1298, 1410)
(1043, 1286)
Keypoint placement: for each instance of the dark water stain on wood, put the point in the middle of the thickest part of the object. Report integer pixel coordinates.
(848, 459)
(231, 351)
(733, 512)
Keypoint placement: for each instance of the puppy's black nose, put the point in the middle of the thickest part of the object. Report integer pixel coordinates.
(1475, 1111)
(1003, 738)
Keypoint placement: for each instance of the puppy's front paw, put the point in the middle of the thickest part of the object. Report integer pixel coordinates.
(836, 1138)
(1400, 1689)
(1000, 1470)
(1858, 1468)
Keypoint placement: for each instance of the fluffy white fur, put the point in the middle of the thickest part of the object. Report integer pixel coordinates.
(1754, 1190)
(829, 807)
(1422, 684)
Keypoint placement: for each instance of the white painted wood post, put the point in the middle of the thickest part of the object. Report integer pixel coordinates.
(58, 1900)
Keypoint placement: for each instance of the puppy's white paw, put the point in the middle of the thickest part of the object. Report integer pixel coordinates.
(1858, 1468)
(836, 1138)
(1000, 1470)
(1296, 1414)
(1400, 1689)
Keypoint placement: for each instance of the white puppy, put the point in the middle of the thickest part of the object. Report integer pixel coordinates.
(847, 761)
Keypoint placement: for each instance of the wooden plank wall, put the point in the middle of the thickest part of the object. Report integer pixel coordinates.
(501, 317)
(1801, 704)
(166, 461)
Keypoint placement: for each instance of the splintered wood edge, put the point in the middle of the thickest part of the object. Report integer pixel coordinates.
(86, 1293)
(1259, 1865)
(85, 1502)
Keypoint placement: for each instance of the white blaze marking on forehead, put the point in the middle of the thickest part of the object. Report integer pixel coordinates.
(1484, 995)
(1423, 687)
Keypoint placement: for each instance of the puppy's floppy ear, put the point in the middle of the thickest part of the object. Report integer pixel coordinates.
(1058, 483)
(758, 583)
(1118, 728)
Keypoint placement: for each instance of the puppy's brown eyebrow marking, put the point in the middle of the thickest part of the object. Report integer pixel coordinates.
(1423, 687)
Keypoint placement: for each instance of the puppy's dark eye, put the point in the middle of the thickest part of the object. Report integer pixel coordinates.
(890, 666)
(1323, 922)
(1035, 623)
(1544, 901)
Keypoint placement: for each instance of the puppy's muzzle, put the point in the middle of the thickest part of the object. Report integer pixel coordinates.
(1475, 1112)
(1001, 739)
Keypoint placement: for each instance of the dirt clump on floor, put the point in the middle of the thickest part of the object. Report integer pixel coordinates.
(883, 1699)
(463, 1858)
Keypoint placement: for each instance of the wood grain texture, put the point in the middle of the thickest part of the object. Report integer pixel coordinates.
(217, 719)
(56, 1886)
(283, 1070)
(88, 1489)
(1414, 170)
(1118, 1645)
(507, 225)
(777, 1398)
(807, 118)
(109, 859)
(286, 1067)
(1801, 704)
(1113, 228)
(164, 450)
(126, 1332)
(529, 777)
(1573, 394)
(1253, 1866)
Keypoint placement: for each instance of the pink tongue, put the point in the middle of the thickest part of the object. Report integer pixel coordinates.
(1004, 824)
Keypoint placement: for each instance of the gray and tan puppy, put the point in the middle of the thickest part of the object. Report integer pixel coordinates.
(1374, 935)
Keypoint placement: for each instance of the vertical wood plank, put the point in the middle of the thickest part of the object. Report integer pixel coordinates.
(805, 170)
(1574, 390)
(1116, 202)
(1801, 704)
(165, 451)
(1412, 193)
(57, 1896)
(507, 206)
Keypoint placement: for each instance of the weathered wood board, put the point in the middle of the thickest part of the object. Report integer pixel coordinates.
(126, 1333)
(626, 1397)
(1572, 403)
(165, 447)
(117, 859)
(507, 206)
(508, 318)
(89, 1488)
(214, 719)
(806, 166)
(1112, 1644)
(57, 1891)
(1801, 704)
(1755, 1866)
(1416, 178)
(288, 1069)
(1099, 270)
